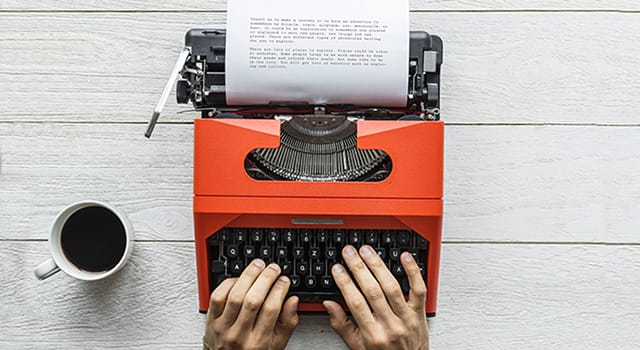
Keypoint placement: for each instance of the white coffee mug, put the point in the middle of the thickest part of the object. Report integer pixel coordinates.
(89, 240)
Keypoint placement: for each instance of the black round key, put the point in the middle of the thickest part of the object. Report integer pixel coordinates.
(236, 267)
(286, 267)
(298, 252)
(306, 236)
(331, 253)
(225, 235)
(233, 251)
(387, 237)
(281, 252)
(326, 282)
(302, 268)
(295, 281)
(249, 251)
(288, 236)
(421, 268)
(310, 282)
(314, 253)
(397, 269)
(256, 236)
(372, 237)
(322, 236)
(355, 237)
(422, 243)
(318, 268)
(404, 238)
(265, 252)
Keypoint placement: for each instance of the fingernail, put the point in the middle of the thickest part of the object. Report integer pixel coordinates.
(284, 278)
(337, 268)
(407, 257)
(366, 251)
(350, 251)
(274, 266)
(258, 263)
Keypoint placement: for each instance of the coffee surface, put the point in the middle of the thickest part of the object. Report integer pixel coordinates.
(94, 239)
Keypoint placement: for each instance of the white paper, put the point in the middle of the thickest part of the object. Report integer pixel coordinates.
(319, 52)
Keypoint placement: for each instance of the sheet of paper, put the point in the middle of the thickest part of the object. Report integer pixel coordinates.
(319, 52)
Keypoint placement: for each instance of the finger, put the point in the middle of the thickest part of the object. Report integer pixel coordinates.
(387, 281)
(219, 298)
(418, 292)
(352, 296)
(368, 284)
(270, 311)
(240, 289)
(287, 322)
(343, 325)
(256, 296)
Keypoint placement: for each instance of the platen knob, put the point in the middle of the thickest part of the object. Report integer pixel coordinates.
(183, 91)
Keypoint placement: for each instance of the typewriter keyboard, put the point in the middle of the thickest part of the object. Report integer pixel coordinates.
(306, 255)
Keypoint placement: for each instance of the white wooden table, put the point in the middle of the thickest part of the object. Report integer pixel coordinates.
(542, 192)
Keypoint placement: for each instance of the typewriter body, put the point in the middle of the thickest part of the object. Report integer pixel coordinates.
(294, 183)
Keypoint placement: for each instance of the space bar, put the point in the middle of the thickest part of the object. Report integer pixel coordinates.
(316, 296)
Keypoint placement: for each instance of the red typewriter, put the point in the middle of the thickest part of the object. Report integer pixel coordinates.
(293, 184)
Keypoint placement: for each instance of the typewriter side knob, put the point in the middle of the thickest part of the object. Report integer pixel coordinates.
(182, 91)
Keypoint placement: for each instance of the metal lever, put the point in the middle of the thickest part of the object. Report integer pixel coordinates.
(167, 89)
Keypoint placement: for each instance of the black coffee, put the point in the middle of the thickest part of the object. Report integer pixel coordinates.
(94, 239)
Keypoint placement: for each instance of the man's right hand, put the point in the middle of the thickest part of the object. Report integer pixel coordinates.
(384, 319)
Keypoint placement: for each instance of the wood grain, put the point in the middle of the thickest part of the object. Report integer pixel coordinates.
(491, 297)
(417, 5)
(502, 183)
(499, 67)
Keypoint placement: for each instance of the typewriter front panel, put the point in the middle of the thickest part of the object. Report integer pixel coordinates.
(415, 149)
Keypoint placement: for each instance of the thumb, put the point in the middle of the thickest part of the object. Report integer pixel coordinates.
(287, 322)
(340, 323)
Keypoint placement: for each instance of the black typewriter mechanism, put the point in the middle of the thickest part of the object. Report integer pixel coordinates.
(203, 80)
(327, 144)
(201, 68)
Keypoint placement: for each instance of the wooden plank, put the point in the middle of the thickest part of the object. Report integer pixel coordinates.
(49, 166)
(499, 67)
(531, 296)
(491, 297)
(542, 183)
(219, 5)
(502, 183)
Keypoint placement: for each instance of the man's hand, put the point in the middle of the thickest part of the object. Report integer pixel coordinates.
(249, 312)
(384, 319)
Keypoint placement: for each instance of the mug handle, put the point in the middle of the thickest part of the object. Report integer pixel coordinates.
(46, 269)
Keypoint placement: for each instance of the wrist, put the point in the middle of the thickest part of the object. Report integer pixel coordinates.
(205, 345)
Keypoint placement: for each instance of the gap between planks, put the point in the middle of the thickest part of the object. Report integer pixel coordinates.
(412, 11)
(62, 122)
(504, 243)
